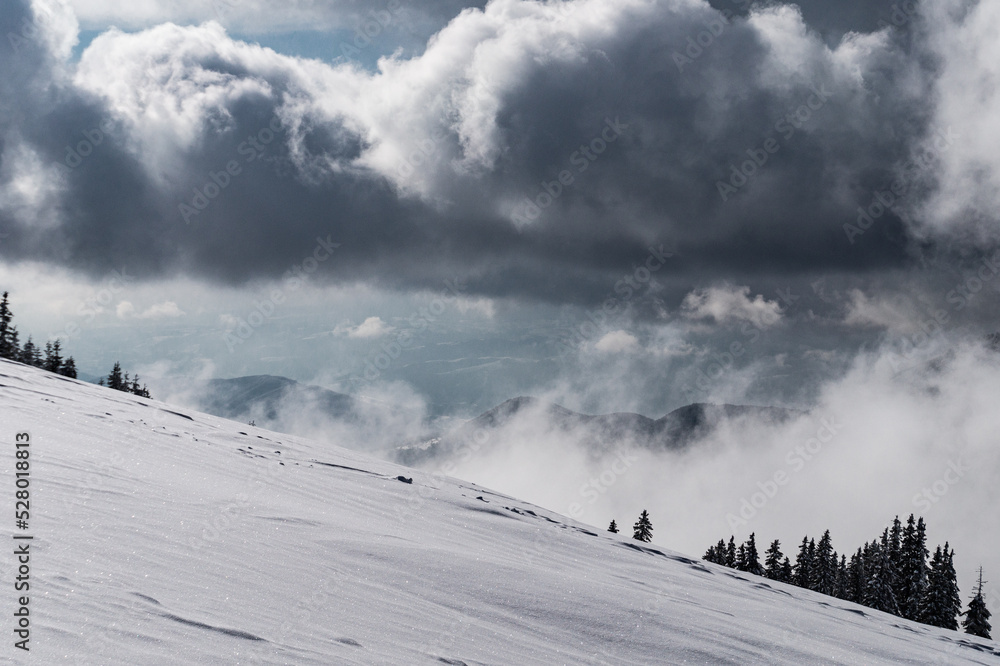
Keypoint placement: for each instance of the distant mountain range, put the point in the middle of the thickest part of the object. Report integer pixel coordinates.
(263, 396)
(266, 399)
(596, 433)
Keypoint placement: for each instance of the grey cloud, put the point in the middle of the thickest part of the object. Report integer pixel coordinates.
(683, 125)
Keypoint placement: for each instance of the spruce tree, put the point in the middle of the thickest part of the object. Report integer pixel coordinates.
(643, 529)
(115, 379)
(716, 554)
(613, 527)
(786, 571)
(823, 574)
(934, 603)
(879, 594)
(8, 346)
(68, 368)
(912, 573)
(803, 565)
(731, 552)
(895, 543)
(29, 354)
(14, 344)
(841, 588)
(977, 617)
(857, 578)
(953, 600)
(741, 557)
(53, 356)
(751, 558)
(720, 552)
(772, 561)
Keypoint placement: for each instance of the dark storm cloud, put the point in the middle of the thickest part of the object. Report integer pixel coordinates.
(648, 123)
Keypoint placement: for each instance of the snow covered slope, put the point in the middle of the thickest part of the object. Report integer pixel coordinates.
(166, 537)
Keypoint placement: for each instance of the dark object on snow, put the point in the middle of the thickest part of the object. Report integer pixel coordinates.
(404, 479)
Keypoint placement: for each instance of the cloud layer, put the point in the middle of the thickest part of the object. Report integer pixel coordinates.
(535, 149)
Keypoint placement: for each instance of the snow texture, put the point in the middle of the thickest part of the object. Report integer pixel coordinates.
(165, 536)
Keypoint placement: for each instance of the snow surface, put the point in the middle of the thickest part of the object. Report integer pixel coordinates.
(165, 536)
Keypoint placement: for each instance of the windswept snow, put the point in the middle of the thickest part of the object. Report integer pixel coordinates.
(164, 536)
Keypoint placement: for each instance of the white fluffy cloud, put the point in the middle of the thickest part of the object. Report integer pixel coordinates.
(165, 310)
(967, 95)
(617, 342)
(726, 303)
(894, 314)
(372, 327)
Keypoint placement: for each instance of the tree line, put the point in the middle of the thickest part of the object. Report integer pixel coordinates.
(51, 358)
(891, 574)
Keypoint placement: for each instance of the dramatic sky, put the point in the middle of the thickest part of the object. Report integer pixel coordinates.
(694, 200)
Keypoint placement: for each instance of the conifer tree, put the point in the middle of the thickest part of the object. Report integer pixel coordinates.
(811, 554)
(879, 593)
(933, 605)
(772, 561)
(803, 565)
(720, 552)
(953, 600)
(731, 552)
(857, 583)
(977, 617)
(716, 554)
(68, 368)
(8, 339)
(752, 558)
(115, 379)
(30, 354)
(613, 527)
(14, 344)
(841, 585)
(823, 573)
(741, 557)
(912, 572)
(786, 571)
(895, 544)
(643, 528)
(53, 356)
